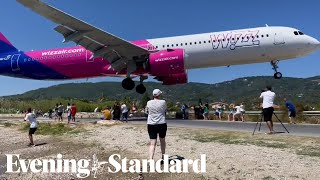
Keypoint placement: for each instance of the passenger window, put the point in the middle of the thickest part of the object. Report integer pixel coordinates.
(209, 41)
(199, 42)
(267, 35)
(156, 47)
(172, 45)
(181, 44)
(257, 36)
(204, 42)
(167, 45)
(195, 42)
(186, 44)
(262, 36)
(177, 44)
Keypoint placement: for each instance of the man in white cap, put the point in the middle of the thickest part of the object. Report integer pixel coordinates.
(157, 122)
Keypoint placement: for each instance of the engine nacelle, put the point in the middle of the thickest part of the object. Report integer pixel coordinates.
(167, 62)
(175, 79)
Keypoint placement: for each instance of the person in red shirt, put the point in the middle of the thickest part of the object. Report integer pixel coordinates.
(73, 112)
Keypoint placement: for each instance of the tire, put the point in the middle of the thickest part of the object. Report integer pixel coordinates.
(128, 84)
(277, 75)
(141, 89)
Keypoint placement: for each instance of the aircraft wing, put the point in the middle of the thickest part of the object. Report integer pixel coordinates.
(120, 53)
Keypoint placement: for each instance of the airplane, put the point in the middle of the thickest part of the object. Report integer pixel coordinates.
(168, 59)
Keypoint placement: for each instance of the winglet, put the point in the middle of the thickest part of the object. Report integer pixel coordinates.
(5, 45)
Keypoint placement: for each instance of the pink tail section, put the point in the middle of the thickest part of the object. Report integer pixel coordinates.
(5, 45)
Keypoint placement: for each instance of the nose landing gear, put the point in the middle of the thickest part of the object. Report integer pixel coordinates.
(277, 75)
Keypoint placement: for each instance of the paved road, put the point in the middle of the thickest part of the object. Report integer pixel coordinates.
(299, 129)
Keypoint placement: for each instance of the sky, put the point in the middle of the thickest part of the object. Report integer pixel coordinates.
(145, 19)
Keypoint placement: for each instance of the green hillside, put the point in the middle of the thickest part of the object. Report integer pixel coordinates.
(247, 90)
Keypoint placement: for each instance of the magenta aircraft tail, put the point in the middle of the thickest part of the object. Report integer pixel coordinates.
(5, 45)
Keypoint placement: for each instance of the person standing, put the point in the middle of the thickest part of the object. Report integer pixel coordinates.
(231, 112)
(291, 111)
(73, 112)
(69, 113)
(237, 114)
(60, 112)
(31, 118)
(124, 111)
(184, 109)
(267, 104)
(116, 111)
(156, 123)
(56, 112)
(206, 112)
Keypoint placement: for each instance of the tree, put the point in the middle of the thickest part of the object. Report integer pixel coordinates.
(144, 100)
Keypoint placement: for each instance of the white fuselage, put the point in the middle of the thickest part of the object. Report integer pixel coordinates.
(245, 46)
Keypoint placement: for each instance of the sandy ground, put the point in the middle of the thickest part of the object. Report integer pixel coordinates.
(224, 161)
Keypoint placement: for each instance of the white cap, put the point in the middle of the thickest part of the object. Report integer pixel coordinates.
(156, 92)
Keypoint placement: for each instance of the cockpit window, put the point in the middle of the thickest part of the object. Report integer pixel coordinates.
(301, 33)
(296, 33)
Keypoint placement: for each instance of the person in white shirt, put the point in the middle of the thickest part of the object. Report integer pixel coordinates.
(124, 112)
(156, 122)
(69, 112)
(31, 118)
(267, 104)
(238, 113)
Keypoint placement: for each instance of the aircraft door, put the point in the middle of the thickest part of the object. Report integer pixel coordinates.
(15, 62)
(278, 39)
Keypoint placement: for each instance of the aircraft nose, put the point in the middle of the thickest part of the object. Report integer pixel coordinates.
(313, 42)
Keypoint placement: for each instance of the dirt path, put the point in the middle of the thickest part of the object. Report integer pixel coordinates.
(229, 156)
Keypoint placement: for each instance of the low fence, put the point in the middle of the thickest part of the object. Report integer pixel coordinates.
(171, 114)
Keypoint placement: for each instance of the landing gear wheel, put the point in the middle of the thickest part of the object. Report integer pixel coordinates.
(141, 89)
(277, 75)
(274, 64)
(128, 84)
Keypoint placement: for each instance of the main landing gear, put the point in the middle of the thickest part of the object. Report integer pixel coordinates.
(274, 64)
(129, 84)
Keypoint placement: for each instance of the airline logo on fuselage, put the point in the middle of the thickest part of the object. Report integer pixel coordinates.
(232, 40)
(5, 58)
(63, 51)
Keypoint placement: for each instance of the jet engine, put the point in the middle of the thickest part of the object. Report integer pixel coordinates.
(167, 62)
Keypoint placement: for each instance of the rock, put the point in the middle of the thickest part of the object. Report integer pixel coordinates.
(107, 122)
